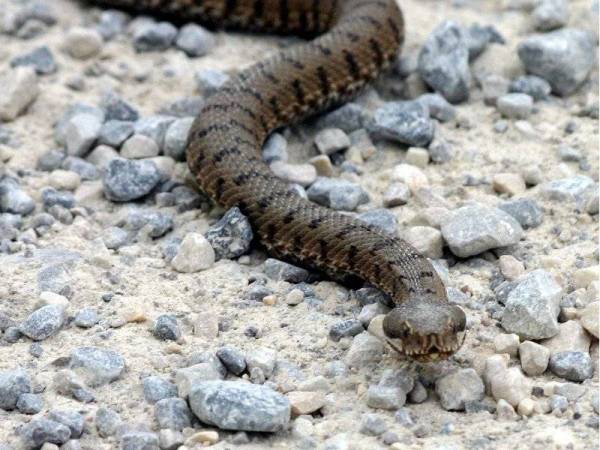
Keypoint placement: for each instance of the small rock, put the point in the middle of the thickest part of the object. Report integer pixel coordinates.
(406, 122)
(172, 413)
(231, 236)
(396, 194)
(558, 403)
(427, 240)
(19, 90)
(166, 328)
(305, 402)
(476, 228)
(550, 14)
(111, 23)
(262, 358)
(234, 405)
(13, 199)
(444, 62)
(589, 318)
(515, 105)
(337, 194)
(534, 86)
(459, 387)
(170, 439)
(30, 403)
(139, 146)
(115, 238)
(157, 388)
(526, 407)
(383, 397)
(583, 277)
(176, 138)
(154, 223)
(39, 431)
(365, 349)
(69, 418)
(564, 58)
(510, 267)
(188, 377)
(116, 108)
(209, 81)
(438, 107)
(302, 174)
(573, 366)
(86, 318)
(126, 180)
(381, 219)
(99, 366)
(195, 40)
(571, 337)
(294, 297)
(82, 43)
(13, 383)
(493, 87)
(275, 148)
(526, 211)
(233, 359)
(510, 385)
(107, 421)
(345, 328)
(41, 59)
(349, 117)
(44, 322)
(418, 157)
(154, 36)
(372, 425)
(505, 411)
(139, 440)
(506, 343)
(81, 132)
(279, 270)
(154, 127)
(412, 176)
(188, 106)
(195, 254)
(331, 140)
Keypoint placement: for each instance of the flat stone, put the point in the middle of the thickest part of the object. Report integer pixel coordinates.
(302, 174)
(571, 337)
(526, 211)
(139, 440)
(40, 58)
(188, 377)
(345, 328)
(43, 322)
(381, 219)
(515, 105)
(302, 402)
(475, 228)
(573, 366)
(337, 194)
(279, 270)
(234, 405)
(97, 365)
(459, 387)
(349, 117)
(20, 89)
(365, 349)
(126, 180)
(195, 254)
(385, 397)
(406, 122)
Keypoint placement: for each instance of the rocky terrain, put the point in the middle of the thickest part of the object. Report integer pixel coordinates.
(136, 314)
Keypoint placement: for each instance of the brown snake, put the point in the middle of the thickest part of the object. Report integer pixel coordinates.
(361, 38)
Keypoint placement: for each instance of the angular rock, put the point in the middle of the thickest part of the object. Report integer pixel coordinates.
(97, 365)
(19, 90)
(40, 431)
(43, 322)
(194, 254)
(126, 180)
(526, 211)
(40, 58)
(172, 413)
(195, 40)
(573, 366)
(457, 388)
(13, 383)
(231, 236)
(406, 122)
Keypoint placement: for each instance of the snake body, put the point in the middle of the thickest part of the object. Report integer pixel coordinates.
(361, 37)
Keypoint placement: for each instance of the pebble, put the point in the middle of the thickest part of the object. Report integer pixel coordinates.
(444, 62)
(303, 402)
(235, 405)
(111, 23)
(427, 240)
(275, 148)
(13, 383)
(381, 219)
(385, 397)
(493, 87)
(209, 81)
(281, 271)
(510, 267)
(438, 107)
(81, 132)
(396, 194)
(262, 358)
(30, 403)
(510, 385)
(52, 197)
(515, 105)
(526, 407)
(331, 140)
(571, 336)
(532, 307)
(19, 90)
(43, 322)
(558, 403)
(526, 211)
(345, 328)
(157, 388)
(39, 431)
(107, 421)
(154, 127)
(584, 276)
(139, 146)
(194, 254)
(82, 43)
(195, 40)
(172, 413)
(506, 343)
(139, 440)
(64, 180)
(50, 160)
(176, 138)
(126, 180)
(86, 318)
(152, 36)
(364, 350)
(115, 237)
(475, 228)
(349, 117)
(40, 58)
(418, 157)
(154, 223)
(13, 199)
(410, 175)
(372, 424)
(98, 366)
(589, 318)
(188, 106)
(170, 439)
(231, 236)
(60, 127)
(69, 418)
(573, 366)
(532, 85)
(116, 108)
(564, 58)
(550, 14)
(505, 411)
(406, 122)
(232, 359)
(459, 387)
(338, 194)
(302, 174)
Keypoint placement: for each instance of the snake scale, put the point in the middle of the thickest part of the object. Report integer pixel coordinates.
(355, 40)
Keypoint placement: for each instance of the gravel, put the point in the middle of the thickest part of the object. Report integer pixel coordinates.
(99, 366)
(194, 40)
(166, 328)
(459, 387)
(43, 322)
(406, 122)
(126, 180)
(573, 366)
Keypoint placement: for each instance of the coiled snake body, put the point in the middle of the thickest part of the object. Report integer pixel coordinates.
(361, 38)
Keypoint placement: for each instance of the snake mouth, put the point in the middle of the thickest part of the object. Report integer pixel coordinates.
(430, 348)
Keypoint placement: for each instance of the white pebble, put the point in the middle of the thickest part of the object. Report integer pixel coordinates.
(195, 253)
(83, 43)
(19, 89)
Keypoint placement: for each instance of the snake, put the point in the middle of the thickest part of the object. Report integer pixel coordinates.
(349, 44)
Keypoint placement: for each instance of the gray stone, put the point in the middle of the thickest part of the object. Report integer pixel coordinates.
(154, 36)
(573, 366)
(81, 132)
(98, 366)
(50, 160)
(349, 117)
(532, 85)
(85, 170)
(365, 349)
(559, 403)
(564, 58)
(372, 424)
(232, 359)
(262, 358)
(69, 418)
(111, 23)
(60, 128)
(39, 431)
(115, 108)
(475, 228)
(532, 307)
(478, 37)
(189, 106)
(493, 87)
(55, 278)
(86, 318)
(154, 127)
(166, 328)
(331, 140)
(139, 440)
(534, 358)
(576, 189)
(382, 219)
(115, 237)
(275, 149)
(30, 403)
(107, 421)
(569, 154)
(525, 210)
(155, 223)
(438, 107)
(550, 14)
(515, 105)
(444, 62)
(41, 59)
(195, 40)
(176, 138)
(170, 439)
(19, 90)
(231, 236)
(457, 388)
(278, 270)
(345, 328)
(209, 81)
(384, 397)
(139, 146)
(13, 199)
(51, 197)
(233, 405)
(126, 180)
(82, 43)
(43, 322)
(157, 388)
(173, 413)
(407, 122)
(337, 193)
(395, 195)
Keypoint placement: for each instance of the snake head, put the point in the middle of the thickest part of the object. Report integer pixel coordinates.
(425, 329)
